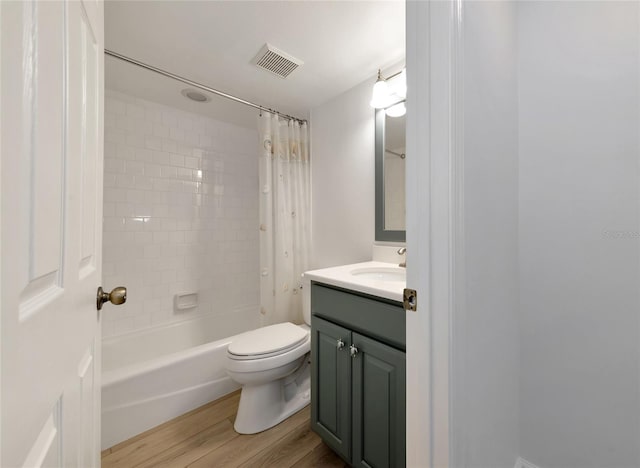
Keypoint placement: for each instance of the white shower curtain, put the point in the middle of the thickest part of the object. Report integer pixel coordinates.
(284, 217)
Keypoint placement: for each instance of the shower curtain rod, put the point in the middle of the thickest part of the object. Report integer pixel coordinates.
(197, 85)
(402, 155)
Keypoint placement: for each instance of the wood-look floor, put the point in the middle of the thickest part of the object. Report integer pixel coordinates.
(205, 437)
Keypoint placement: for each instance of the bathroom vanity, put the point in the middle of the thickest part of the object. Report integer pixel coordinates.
(358, 363)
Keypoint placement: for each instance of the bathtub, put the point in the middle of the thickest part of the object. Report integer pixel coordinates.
(152, 376)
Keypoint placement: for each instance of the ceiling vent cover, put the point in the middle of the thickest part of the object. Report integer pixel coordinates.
(275, 61)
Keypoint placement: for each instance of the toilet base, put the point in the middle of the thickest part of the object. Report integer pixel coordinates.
(263, 406)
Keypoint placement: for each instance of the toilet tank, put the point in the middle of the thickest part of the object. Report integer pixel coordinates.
(306, 300)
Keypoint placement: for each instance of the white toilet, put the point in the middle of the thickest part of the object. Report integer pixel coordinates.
(272, 365)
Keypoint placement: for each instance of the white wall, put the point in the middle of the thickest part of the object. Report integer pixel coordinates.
(343, 186)
(485, 404)
(578, 132)
(180, 214)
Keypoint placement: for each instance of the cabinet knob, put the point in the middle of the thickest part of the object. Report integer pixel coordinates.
(340, 343)
(353, 350)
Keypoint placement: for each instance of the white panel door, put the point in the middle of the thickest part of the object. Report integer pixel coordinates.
(51, 105)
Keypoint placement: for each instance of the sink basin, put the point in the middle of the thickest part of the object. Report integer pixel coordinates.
(381, 274)
(380, 279)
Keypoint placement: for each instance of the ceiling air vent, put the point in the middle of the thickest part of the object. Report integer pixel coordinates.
(275, 61)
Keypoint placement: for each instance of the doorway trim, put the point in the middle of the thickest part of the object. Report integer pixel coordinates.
(435, 225)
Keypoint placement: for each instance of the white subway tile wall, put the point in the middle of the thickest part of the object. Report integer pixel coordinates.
(180, 214)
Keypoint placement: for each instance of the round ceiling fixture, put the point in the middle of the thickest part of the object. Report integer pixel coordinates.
(195, 95)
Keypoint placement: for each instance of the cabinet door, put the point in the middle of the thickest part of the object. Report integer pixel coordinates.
(331, 385)
(378, 404)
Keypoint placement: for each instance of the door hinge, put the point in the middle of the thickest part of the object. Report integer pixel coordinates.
(410, 299)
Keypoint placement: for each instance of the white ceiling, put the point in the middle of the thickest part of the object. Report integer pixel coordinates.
(342, 43)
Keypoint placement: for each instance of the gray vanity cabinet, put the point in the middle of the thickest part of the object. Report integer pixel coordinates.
(331, 407)
(358, 376)
(378, 404)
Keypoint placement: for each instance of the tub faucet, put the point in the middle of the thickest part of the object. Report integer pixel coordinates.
(403, 251)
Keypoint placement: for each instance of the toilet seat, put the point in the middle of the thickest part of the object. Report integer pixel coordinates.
(266, 342)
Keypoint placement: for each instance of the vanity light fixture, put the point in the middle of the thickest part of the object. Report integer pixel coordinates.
(399, 84)
(389, 92)
(397, 110)
(381, 96)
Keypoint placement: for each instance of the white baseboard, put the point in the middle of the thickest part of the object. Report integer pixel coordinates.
(522, 463)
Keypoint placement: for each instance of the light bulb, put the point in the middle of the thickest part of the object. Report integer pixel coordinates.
(397, 110)
(380, 97)
(399, 84)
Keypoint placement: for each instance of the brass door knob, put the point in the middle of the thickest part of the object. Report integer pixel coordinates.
(117, 296)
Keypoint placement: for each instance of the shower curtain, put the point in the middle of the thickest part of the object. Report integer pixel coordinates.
(284, 217)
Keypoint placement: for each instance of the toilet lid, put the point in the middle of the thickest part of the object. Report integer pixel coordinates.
(268, 340)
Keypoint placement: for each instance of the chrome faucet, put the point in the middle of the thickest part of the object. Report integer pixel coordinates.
(403, 251)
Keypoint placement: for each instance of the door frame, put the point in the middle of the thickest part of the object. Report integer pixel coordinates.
(1, 283)
(435, 228)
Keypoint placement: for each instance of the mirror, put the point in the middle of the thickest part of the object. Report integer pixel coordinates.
(390, 177)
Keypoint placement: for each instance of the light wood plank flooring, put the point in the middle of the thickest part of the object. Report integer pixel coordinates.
(205, 437)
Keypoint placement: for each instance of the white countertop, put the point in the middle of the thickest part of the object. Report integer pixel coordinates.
(341, 276)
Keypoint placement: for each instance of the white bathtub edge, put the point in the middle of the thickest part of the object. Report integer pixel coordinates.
(141, 396)
(116, 376)
(126, 421)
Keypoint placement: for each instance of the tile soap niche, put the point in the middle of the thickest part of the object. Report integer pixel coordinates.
(185, 300)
